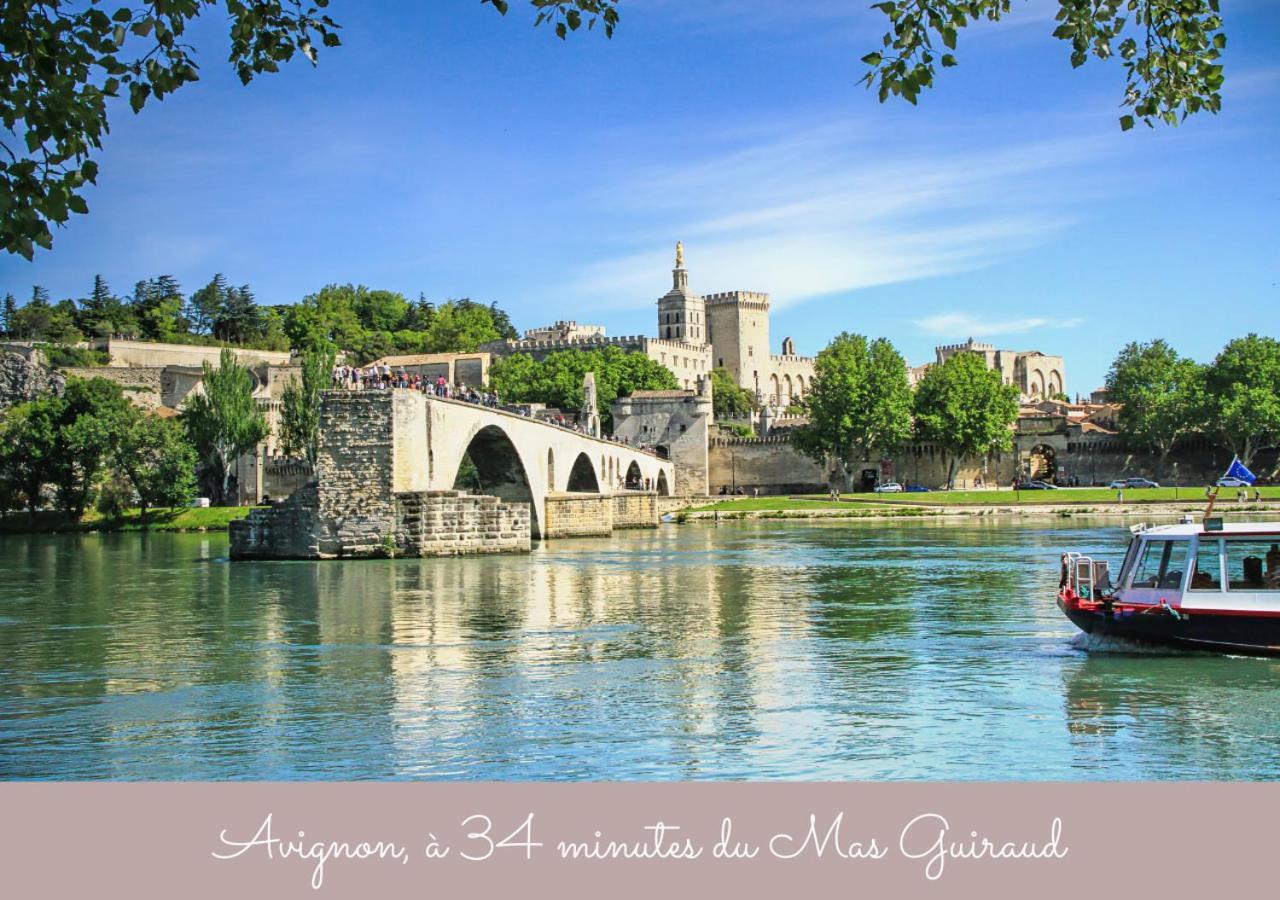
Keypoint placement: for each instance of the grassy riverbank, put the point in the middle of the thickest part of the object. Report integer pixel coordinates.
(1067, 502)
(214, 518)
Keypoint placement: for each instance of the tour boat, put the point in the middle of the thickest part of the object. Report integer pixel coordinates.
(1207, 586)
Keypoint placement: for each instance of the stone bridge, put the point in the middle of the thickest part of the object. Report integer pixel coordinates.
(391, 477)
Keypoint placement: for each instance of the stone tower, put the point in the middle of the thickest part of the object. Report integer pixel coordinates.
(738, 331)
(589, 415)
(681, 313)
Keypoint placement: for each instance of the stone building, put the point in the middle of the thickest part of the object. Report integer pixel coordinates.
(675, 423)
(694, 335)
(471, 369)
(562, 330)
(1035, 374)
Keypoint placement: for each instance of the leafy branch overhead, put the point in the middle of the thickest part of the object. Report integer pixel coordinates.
(62, 61)
(1170, 49)
(569, 15)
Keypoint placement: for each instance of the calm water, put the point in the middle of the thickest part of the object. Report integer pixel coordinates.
(752, 650)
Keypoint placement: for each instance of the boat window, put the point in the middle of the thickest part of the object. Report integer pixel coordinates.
(1208, 573)
(1160, 565)
(1253, 565)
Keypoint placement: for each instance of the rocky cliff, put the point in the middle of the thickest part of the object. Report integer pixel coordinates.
(24, 376)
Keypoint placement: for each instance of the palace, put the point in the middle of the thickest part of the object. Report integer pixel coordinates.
(728, 330)
(1036, 375)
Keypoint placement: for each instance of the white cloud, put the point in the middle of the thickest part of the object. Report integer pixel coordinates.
(961, 325)
(807, 212)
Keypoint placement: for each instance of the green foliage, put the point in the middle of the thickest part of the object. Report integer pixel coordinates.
(570, 15)
(737, 429)
(300, 411)
(8, 315)
(224, 421)
(61, 356)
(64, 63)
(729, 401)
(859, 401)
(965, 409)
(1170, 49)
(115, 495)
(157, 458)
(557, 380)
(1160, 394)
(28, 449)
(157, 307)
(1242, 395)
(376, 323)
(460, 326)
(40, 320)
(93, 412)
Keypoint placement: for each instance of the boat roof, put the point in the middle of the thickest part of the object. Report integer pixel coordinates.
(1180, 530)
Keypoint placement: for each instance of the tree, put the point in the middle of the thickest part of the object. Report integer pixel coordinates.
(10, 313)
(1170, 49)
(239, 321)
(460, 326)
(327, 316)
(96, 307)
(965, 409)
(40, 320)
(157, 307)
(1159, 395)
(63, 63)
(224, 421)
(859, 401)
(1242, 395)
(158, 459)
(729, 401)
(204, 306)
(557, 380)
(300, 413)
(28, 448)
(91, 414)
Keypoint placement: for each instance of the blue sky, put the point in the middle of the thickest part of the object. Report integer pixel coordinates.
(448, 151)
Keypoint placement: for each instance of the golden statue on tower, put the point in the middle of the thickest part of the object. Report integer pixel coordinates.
(679, 255)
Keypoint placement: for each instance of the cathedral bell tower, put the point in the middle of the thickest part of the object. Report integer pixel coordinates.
(681, 314)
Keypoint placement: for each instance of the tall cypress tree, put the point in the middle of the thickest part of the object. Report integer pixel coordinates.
(10, 315)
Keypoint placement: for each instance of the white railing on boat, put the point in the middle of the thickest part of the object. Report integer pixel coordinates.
(1085, 575)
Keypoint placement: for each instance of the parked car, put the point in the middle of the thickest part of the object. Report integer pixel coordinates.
(914, 488)
(1038, 486)
(1232, 481)
(1141, 483)
(888, 487)
(1119, 484)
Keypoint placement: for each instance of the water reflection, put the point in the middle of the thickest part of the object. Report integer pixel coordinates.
(824, 650)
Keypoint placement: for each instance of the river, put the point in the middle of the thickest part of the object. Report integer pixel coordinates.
(792, 650)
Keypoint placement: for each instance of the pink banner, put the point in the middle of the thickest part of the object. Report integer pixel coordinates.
(635, 840)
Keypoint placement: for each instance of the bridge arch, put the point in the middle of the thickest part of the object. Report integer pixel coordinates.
(662, 487)
(551, 469)
(634, 480)
(582, 477)
(497, 468)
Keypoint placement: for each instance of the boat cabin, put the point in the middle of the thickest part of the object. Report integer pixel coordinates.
(1229, 567)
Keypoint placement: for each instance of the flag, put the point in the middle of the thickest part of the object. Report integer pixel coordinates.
(1238, 470)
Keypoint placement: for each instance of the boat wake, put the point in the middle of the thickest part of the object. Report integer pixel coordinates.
(1100, 643)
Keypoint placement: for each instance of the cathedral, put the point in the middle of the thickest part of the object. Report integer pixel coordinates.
(728, 330)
